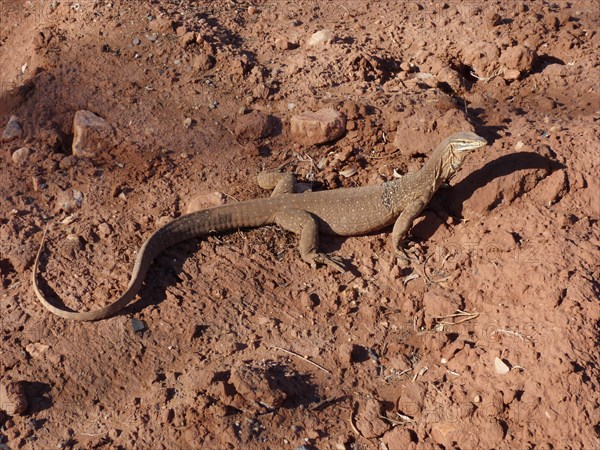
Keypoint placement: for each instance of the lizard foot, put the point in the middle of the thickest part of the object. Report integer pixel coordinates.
(401, 253)
(334, 262)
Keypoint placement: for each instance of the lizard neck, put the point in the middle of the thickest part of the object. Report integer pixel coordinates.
(432, 175)
(419, 185)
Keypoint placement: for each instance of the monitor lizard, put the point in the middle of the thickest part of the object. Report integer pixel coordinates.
(344, 212)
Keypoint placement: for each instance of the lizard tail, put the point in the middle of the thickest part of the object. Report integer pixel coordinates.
(144, 258)
(200, 223)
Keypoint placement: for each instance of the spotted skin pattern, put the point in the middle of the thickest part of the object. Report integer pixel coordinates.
(342, 212)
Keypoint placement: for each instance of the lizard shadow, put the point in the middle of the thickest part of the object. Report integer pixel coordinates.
(163, 274)
(450, 201)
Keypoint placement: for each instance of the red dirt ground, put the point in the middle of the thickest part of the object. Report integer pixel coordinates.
(232, 324)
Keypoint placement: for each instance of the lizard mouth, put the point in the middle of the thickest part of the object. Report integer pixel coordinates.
(470, 146)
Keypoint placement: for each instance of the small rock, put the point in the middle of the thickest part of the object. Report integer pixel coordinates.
(36, 349)
(492, 17)
(66, 201)
(12, 397)
(320, 37)
(283, 44)
(255, 125)
(137, 41)
(204, 61)
(482, 56)
(13, 130)
(318, 127)
(517, 58)
(187, 39)
(52, 139)
(251, 149)
(138, 325)
(37, 183)
(500, 366)
(21, 257)
(511, 74)
(67, 162)
(251, 10)
(21, 155)
(205, 200)
(188, 122)
(104, 230)
(91, 134)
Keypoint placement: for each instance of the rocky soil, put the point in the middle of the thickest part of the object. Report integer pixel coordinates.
(118, 116)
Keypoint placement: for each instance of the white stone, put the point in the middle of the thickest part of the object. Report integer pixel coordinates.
(21, 155)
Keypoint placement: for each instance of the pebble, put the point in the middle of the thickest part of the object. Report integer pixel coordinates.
(104, 230)
(251, 10)
(13, 130)
(38, 184)
(21, 155)
(138, 325)
(91, 134)
(320, 37)
(318, 127)
(137, 41)
(283, 44)
(66, 201)
(188, 122)
(500, 366)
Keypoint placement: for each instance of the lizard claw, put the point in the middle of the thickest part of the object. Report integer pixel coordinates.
(402, 255)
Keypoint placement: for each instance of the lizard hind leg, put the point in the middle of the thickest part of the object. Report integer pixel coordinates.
(303, 223)
(279, 182)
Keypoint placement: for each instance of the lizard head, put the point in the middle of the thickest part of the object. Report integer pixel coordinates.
(455, 150)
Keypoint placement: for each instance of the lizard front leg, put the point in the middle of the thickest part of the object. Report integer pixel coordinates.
(279, 182)
(402, 227)
(303, 223)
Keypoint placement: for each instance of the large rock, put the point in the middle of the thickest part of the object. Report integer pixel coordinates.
(13, 130)
(91, 134)
(318, 127)
(255, 125)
